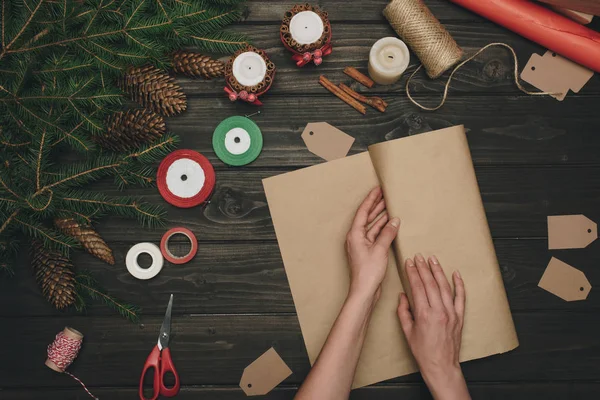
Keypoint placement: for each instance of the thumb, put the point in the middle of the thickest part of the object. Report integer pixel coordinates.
(388, 234)
(405, 316)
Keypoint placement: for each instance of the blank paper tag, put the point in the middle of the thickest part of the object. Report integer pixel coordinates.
(264, 374)
(555, 74)
(326, 141)
(564, 281)
(570, 231)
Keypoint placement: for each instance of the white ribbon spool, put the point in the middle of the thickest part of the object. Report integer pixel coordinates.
(237, 141)
(306, 27)
(388, 59)
(249, 68)
(134, 267)
(185, 178)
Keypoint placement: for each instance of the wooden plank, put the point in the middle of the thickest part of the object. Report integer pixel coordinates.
(523, 391)
(232, 278)
(500, 131)
(517, 202)
(490, 73)
(266, 11)
(556, 346)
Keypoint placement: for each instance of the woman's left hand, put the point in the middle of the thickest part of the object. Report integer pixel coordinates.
(368, 247)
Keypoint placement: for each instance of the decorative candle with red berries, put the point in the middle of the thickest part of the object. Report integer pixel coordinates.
(306, 32)
(249, 74)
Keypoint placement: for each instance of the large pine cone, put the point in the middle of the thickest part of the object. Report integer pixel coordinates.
(54, 275)
(131, 129)
(154, 89)
(88, 237)
(197, 65)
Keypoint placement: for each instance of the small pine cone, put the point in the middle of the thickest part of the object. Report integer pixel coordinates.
(154, 89)
(87, 236)
(54, 275)
(197, 65)
(131, 129)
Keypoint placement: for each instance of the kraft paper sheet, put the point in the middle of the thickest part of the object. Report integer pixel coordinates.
(429, 183)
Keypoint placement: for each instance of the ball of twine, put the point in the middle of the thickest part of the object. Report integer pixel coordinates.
(425, 35)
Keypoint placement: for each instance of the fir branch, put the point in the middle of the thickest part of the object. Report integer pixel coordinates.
(8, 220)
(90, 286)
(50, 238)
(220, 42)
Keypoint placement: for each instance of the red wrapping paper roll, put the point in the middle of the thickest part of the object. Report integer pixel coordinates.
(543, 26)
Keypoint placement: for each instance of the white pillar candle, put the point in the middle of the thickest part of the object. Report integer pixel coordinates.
(249, 68)
(388, 59)
(306, 27)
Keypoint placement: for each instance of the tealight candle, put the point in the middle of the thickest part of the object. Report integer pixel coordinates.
(249, 68)
(388, 59)
(306, 27)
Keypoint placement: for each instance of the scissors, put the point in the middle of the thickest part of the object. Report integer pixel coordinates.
(160, 360)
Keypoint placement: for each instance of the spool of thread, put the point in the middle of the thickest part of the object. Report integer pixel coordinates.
(424, 34)
(388, 59)
(63, 351)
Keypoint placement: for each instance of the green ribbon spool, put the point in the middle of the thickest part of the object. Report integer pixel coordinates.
(237, 141)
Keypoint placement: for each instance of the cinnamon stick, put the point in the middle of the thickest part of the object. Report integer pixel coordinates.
(359, 76)
(345, 97)
(376, 102)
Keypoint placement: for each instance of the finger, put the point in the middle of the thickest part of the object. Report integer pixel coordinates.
(431, 287)
(373, 232)
(416, 286)
(362, 214)
(459, 296)
(377, 209)
(405, 316)
(388, 234)
(444, 285)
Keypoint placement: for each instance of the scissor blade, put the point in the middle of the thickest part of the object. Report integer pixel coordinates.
(165, 328)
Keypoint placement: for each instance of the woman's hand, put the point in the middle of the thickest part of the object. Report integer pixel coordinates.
(368, 244)
(433, 327)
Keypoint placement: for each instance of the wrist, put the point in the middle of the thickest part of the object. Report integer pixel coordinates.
(362, 293)
(447, 383)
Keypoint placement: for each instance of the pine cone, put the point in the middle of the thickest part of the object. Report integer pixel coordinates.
(197, 65)
(131, 129)
(154, 89)
(88, 237)
(55, 276)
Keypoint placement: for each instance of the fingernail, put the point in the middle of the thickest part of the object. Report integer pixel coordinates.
(434, 260)
(458, 274)
(419, 257)
(409, 263)
(395, 222)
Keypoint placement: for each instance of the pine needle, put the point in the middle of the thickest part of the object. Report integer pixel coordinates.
(88, 286)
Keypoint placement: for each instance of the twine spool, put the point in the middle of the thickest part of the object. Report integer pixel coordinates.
(425, 35)
(63, 351)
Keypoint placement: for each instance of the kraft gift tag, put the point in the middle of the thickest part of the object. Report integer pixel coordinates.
(570, 231)
(264, 374)
(564, 281)
(555, 74)
(326, 141)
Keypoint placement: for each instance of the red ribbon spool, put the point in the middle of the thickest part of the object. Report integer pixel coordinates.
(164, 245)
(198, 198)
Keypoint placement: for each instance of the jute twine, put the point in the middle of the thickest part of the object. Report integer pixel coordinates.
(425, 35)
(447, 86)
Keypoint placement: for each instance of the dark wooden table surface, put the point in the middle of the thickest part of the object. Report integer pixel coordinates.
(533, 156)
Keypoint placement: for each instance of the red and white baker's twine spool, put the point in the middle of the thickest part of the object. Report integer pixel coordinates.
(62, 352)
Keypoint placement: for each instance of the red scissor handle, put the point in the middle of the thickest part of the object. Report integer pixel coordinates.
(166, 365)
(152, 362)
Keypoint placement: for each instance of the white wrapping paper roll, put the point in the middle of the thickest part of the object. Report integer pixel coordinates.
(388, 59)
(306, 27)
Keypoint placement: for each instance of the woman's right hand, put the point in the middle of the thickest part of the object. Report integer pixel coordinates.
(433, 326)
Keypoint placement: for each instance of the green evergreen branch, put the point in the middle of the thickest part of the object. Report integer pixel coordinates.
(90, 286)
(49, 237)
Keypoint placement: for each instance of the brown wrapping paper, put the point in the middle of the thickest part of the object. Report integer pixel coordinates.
(428, 182)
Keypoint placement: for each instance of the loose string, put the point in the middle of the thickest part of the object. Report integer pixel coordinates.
(447, 86)
(62, 352)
